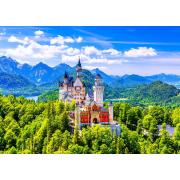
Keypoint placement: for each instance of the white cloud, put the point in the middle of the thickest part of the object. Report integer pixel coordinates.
(61, 40)
(73, 59)
(140, 52)
(79, 39)
(88, 60)
(57, 40)
(24, 41)
(104, 61)
(68, 40)
(39, 33)
(91, 50)
(94, 67)
(112, 52)
(72, 51)
(35, 52)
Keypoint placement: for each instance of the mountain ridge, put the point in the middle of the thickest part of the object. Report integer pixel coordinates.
(45, 77)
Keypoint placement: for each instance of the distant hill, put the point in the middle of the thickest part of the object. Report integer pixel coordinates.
(131, 81)
(168, 78)
(106, 78)
(13, 81)
(156, 92)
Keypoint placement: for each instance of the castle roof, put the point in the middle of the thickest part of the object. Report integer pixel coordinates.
(79, 63)
(104, 110)
(78, 82)
(69, 81)
(98, 76)
(65, 74)
(110, 103)
(91, 95)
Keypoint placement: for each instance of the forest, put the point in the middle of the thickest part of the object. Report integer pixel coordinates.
(27, 127)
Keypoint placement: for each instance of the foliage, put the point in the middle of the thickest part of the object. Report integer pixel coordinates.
(176, 116)
(27, 127)
(156, 93)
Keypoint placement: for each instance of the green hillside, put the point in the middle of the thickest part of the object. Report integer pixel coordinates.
(9, 81)
(156, 92)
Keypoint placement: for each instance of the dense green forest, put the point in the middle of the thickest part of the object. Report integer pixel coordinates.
(44, 127)
(154, 93)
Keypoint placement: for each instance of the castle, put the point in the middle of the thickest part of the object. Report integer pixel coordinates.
(89, 109)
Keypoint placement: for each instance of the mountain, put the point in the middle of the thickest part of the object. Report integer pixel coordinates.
(59, 70)
(9, 81)
(24, 69)
(8, 65)
(122, 82)
(106, 78)
(38, 74)
(47, 78)
(130, 81)
(164, 77)
(155, 92)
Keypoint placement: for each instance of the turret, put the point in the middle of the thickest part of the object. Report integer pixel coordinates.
(98, 80)
(65, 77)
(88, 99)
(78, 67)
(98, 90)
(63, 86)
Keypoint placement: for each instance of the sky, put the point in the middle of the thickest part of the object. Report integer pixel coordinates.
(116, 50)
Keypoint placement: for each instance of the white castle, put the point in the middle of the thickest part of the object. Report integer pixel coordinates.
(89, 108)
(70, 89)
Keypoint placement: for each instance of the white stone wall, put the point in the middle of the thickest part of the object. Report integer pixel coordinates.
(98, 94)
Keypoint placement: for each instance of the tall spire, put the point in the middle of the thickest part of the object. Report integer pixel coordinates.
(78, 67)
(65, 75)
(79, 62)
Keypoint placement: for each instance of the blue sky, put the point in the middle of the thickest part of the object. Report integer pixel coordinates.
(115, 50)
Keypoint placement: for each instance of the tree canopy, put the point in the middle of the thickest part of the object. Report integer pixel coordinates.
(45, 127)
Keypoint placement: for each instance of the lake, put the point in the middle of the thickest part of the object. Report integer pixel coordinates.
(35, 98)
(169, 128)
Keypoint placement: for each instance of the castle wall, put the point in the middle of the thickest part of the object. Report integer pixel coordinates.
(104, 117)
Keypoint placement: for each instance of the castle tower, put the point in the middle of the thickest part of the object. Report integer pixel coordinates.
(66, 88)
(98, 90)
(79, 91)
(63, 86)
(88, 100)
(78, 68)
(65, 77)
(111, 114)
(65, 80)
